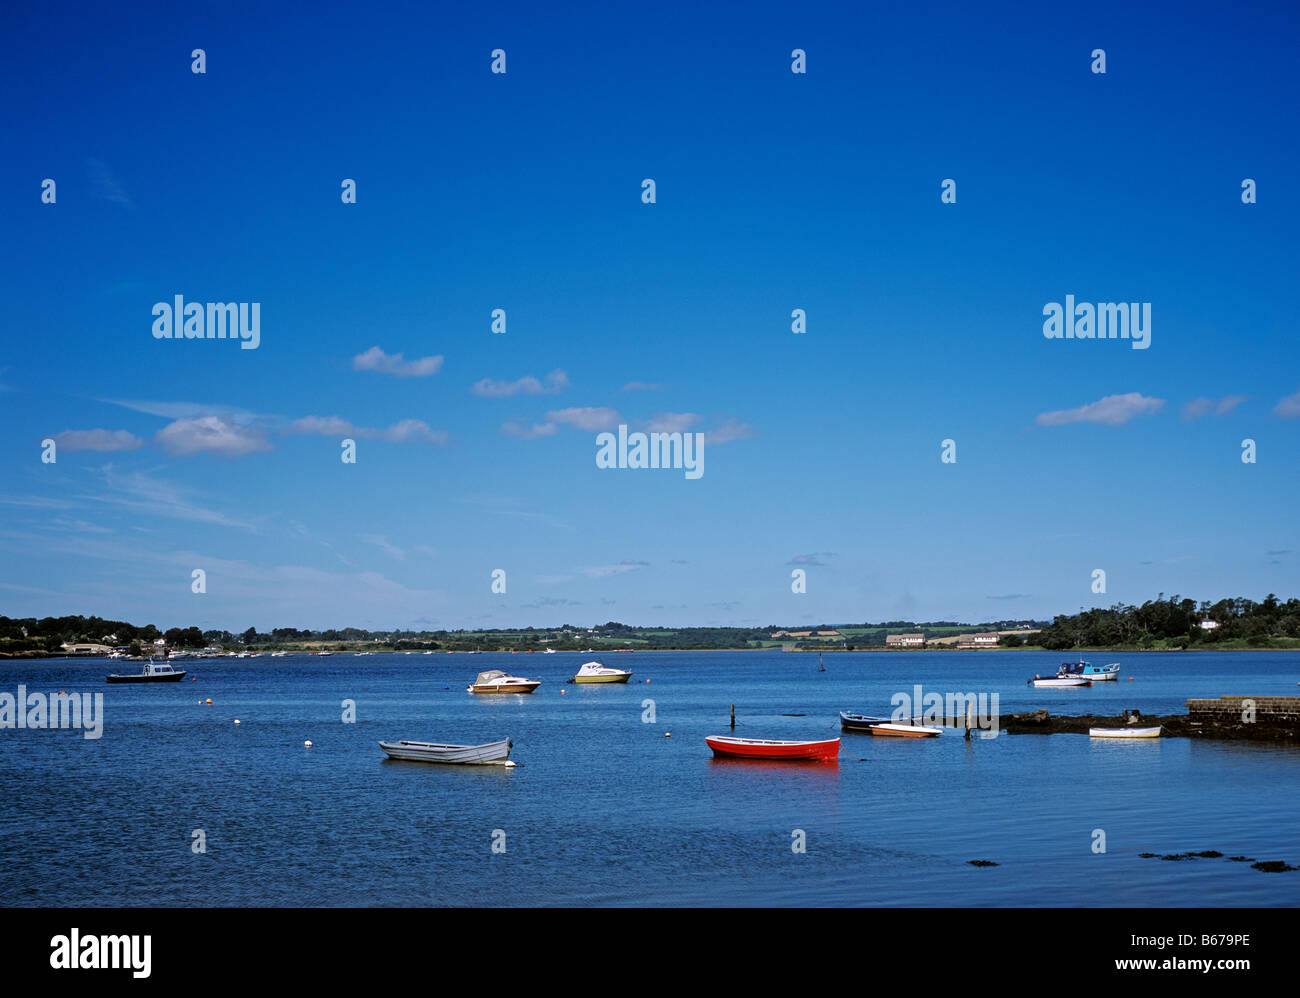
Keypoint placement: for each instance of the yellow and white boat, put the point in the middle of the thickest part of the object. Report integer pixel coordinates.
(496, 681)
(596, 672)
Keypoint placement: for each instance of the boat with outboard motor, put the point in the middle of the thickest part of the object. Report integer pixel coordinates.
(154, 672)
(496, 681)
(1060, 681)
(1086, 670)
(598, 672)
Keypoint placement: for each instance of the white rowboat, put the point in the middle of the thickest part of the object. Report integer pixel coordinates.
(491, 754)
(1125, 732)
(905, 731)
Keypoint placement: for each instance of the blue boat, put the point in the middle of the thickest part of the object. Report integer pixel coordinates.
(1086, 670)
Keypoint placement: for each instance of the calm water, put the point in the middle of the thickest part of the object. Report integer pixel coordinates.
(603, 809)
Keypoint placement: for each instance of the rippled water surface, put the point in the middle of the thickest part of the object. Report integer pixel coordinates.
(604, 809)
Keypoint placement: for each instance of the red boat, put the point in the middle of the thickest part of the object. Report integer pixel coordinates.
(763, 748)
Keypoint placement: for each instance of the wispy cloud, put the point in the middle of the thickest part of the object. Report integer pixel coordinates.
(641, 386)
(605, 571)
(1197, 408)
(671, 422)
(100, 440)
(550, 601)
(142, 492)
(381, 542)
(586, 418)
(187, 410)
(523, 431)
(552, 580)
(1010, 596)
(732, 429)
(1113, 410)
(376, 360)
(1289, 407)
(404, 432)
(811, 559)
(106, 183)
(210, 435)
(556, 382)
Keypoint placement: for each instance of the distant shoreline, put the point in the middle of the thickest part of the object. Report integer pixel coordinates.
(30, 655)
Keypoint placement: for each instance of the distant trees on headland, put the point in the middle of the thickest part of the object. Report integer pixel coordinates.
(1174, 621)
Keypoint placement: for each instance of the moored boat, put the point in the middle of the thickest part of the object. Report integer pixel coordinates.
(154, 672)
(766, 748)
(850, 721)
(490, 754)
(890, 730)
(496, 681)
(1060, 681)
(1125, 732)
(598, 672)
(1086, 670)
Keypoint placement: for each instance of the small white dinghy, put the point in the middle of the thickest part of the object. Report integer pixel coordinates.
(1058, 681)
(1125, 732)
(905, 731)
(491, 754)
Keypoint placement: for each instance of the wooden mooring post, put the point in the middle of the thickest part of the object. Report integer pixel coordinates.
(968, 720)
(733, 717)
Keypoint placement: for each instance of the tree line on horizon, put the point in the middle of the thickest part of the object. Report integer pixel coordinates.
(1174, 620)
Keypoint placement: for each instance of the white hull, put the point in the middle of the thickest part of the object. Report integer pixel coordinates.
(1061, 682)
(595, 672)
(490, 754)
(1124, 732)
(905, 731)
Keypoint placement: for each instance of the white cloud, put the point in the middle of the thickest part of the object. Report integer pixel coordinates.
(375, 359)
(515, 428)
(556, 382)
(586, 418)
(671, 422)
(1289, 407)
(642, 386)
(404, 432)
(210, 435)
(141, 492)
(732, 429)
(1197, 408)
(101, 440)
(381, 542)
(1113, 410)
(186, 410)
(604, 571)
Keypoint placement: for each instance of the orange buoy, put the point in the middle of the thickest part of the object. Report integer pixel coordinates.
(209, 700)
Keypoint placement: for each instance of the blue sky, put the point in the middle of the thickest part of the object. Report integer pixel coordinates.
(522, 191)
